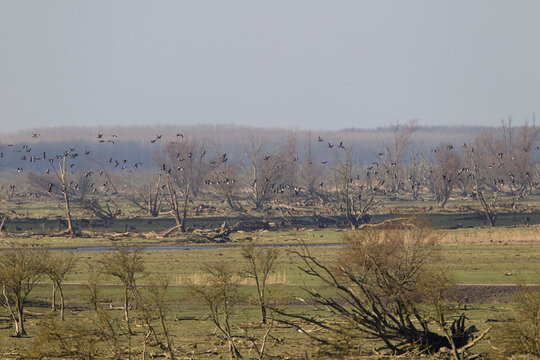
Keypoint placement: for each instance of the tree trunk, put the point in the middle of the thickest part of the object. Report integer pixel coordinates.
(166, 333)
(235, 353)
(15, 322)
(263, 312)
(184, 212)
(2, 225)
(20, 316)
(61, 302)
(174, 205)
(126, 308)
(53, 301)
(66, 196)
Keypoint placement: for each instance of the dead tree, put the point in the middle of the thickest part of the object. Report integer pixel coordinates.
(175, 206)
(61, 173)
(309, 172)
(378, 284)
(222, 180)
(7, 193)
(391, 160)
(445, 173)
(185, 161)
(147, 199)
(357, 198)
(263, 172)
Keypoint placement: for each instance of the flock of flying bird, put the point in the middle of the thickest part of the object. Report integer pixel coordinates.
(25, 154)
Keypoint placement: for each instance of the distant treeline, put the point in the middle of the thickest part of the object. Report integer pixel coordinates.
(140, 144)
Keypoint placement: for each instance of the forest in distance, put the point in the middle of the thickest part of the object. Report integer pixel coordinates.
(133, 143)
(428, 243)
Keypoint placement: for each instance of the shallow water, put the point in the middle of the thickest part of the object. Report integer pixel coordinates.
(193, 247)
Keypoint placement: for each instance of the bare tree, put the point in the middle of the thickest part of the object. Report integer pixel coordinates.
(7, 192)
(445, 173)
(357, 197)
(152, 305)
(519, 160)
(185, 161)
(56, 265)
(87, 197)
(264, 174)
(310, 172)
(175, 206)
(222, 180)
(484, 164)
(125, 264)
(219, 294)
(416, 172)
(61, 172)
(20, 270)
(522, 335)
(148, 198)
(71, 339)
(377, 286)
(260, 262)
(391, 159)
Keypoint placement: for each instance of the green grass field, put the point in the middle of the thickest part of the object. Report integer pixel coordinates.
(467, 263)
(469, 252)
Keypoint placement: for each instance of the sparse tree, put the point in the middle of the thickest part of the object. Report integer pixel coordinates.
(56, 265)
(391, 159)
(309, 172)
(175, 206)
(185, 162)
(220, 293)
(378, 283)
(260, 263)
(152, 305)
(20, 270)
(148, 199)
(264, 174)
(61, 172)
(444, 173)
(125, 264)
(71, 339)
(357, 198)
(522, 335)
(222, 181)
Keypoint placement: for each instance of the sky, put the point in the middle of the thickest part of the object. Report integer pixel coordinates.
(282, 63)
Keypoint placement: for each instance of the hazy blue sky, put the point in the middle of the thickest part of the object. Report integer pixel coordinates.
(299, 64)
